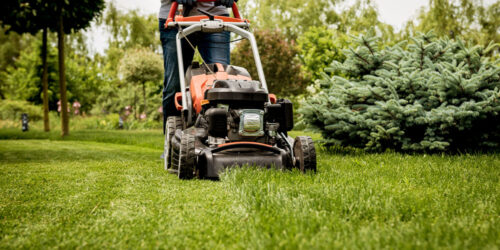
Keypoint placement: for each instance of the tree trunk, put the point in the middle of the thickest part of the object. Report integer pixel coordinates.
(144, 96)
(45, 82)
(62, 79)
(135, 105)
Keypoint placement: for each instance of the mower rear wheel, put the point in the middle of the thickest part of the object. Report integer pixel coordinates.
(305, 153)
(187, 157)
(176, 147)
(173, 123)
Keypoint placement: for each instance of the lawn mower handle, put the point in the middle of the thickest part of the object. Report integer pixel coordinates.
(194, 24)
(175, 5)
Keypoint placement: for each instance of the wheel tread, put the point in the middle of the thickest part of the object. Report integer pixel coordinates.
(173, 123)
(186, 157)
(304, 149)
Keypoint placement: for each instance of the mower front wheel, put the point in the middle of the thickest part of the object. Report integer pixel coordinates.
(187, 157)
(305, 153)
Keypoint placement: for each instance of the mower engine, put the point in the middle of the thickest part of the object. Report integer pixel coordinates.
(236, 110)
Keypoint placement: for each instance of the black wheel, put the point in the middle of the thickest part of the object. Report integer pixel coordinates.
(187, 157)
(176, 147)
(305, 153)
(173, 123)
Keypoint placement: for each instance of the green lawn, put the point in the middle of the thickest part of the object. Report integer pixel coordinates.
(107, 189)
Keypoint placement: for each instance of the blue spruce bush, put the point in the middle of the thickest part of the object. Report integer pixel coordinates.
(425, 94)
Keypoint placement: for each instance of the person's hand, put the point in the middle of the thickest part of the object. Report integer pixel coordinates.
(186, 2)
(227, 3)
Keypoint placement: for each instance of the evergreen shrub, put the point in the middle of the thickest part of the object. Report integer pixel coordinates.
(425, 94)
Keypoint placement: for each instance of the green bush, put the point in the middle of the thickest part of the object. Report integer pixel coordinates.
(12, 110)
(427, 95)
(318, 47)
(278, 56)
(95, 122)
(111, 122)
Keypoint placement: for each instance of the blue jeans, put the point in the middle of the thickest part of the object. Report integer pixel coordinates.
(213, 47)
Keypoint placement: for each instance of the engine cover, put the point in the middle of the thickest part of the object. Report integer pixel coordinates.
(237, 90)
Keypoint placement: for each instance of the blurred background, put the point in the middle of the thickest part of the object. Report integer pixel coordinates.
(113, 65)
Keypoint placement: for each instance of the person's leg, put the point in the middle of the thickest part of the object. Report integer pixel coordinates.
(171, 70)
(215, 48)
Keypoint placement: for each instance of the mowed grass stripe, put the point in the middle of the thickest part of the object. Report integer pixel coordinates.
(118, 197)
(101, 195)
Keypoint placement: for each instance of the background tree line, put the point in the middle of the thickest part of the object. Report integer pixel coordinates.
(298, 40)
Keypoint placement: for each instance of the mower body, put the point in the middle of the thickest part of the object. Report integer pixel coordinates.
(228, 119)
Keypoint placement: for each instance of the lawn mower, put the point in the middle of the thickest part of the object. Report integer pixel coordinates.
(227, 118)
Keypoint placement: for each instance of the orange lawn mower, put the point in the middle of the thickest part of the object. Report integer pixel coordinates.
(227, 118)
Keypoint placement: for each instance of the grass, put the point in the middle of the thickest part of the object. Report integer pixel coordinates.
(107, 189)
(142, 138)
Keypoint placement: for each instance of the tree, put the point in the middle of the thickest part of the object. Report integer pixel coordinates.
(294, 17)
(61, 16)
(318, 47)
(131, 29)
(31, 16)
(11, 46)
(430, 95)
(127, 30)
(140, 66)
(23, 78)
(362, 17)
(291, 17)
(278, 56)
(320, 28)
(71, 16)
(470, 19)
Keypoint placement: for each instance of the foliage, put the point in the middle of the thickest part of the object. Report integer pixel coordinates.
(116, 96)
(318, 47)
(84, 80)
(470, 19)
(140, 66)
(435, 95)
(11, 45)
(12, 110)
(128, 30)
(326, 23)
(114, 195)
(33, 15)
(362, 17)
(293, 17)
(63, 17)
(23, 79)
(278, 56)
(290, 16)
(26, 16)
(108, 122)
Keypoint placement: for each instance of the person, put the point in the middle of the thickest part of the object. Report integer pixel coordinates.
(76, 107)
(59, 106)
(213, 47)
